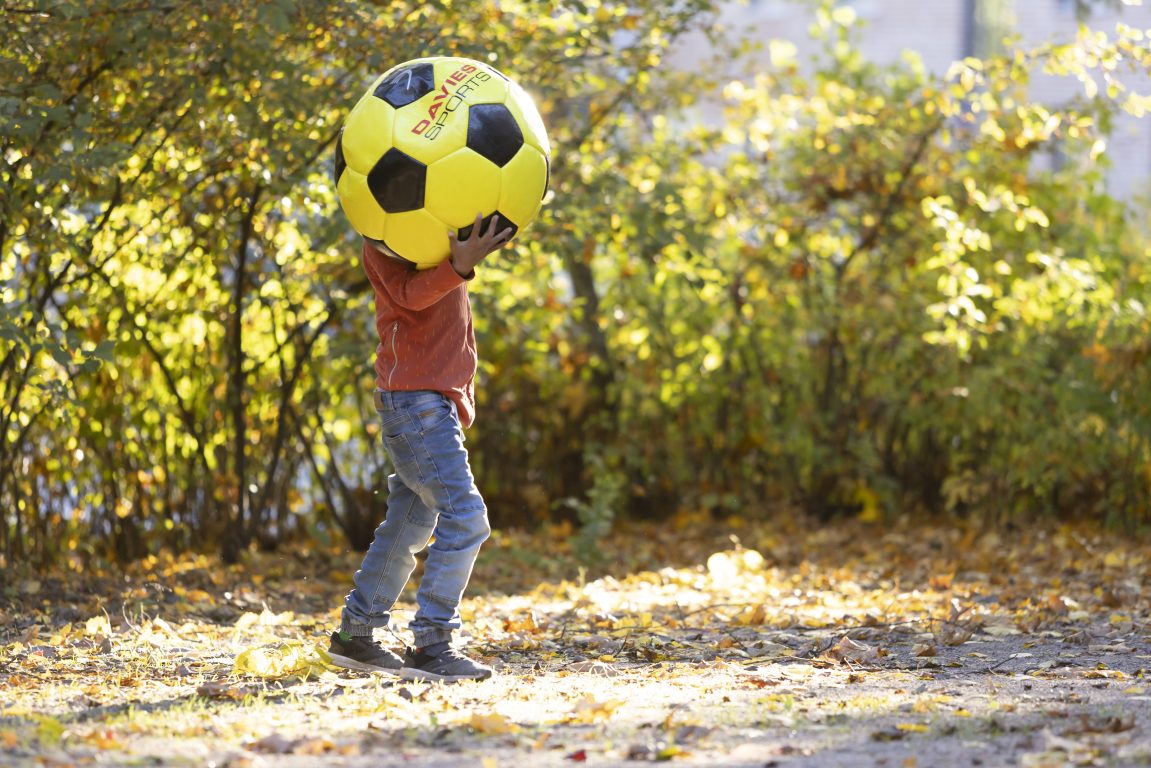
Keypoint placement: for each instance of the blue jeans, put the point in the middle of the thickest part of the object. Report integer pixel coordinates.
(432, 493)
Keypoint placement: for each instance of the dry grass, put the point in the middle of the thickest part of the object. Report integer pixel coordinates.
(844, 646)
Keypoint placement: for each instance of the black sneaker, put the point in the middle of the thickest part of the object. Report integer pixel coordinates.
(364, 654)
(442, 662)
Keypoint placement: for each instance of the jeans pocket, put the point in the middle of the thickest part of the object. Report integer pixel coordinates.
(393, 423)
(403, 456)
(432, 415)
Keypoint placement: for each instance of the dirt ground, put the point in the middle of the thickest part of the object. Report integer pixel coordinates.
(853, 647)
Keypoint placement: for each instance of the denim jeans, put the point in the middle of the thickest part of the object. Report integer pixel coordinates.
(431, 493)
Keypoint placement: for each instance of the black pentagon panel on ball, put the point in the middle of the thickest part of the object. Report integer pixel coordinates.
(338, 162)
(397, 182)
(406, 84)
(465, 232)
(494, 133)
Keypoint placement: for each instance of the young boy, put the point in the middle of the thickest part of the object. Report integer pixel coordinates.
(425, 366)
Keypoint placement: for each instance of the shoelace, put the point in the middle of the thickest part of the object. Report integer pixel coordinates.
(398, 639)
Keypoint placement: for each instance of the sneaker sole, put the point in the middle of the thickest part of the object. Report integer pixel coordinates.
(359, 666)
(411, 673)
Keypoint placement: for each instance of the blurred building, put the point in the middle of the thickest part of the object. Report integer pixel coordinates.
(943, 31)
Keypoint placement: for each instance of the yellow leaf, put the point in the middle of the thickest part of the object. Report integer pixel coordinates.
(913, 727)
(98, 625)
(264, 618)
(526, 623)
(61, 637)
(103, 738)
(247, 620)
(1104, 674)
(49, 730)
(282, 660)
(589, 710)
(753, 616)
(493, 724)
(725, 567)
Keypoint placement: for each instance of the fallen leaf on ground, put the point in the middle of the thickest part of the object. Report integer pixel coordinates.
(591, 667)
(848, 651)
(281, 660)
(273, 744)
(1113, 724)
(493, 724)
(224, 689)
(590, 710)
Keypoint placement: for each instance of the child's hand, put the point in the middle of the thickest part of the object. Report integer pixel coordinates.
(466, 254)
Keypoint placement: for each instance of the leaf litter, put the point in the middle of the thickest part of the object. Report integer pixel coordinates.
(843, 645)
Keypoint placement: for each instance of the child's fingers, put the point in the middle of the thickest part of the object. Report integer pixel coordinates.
(501, 240)
(477, 230)
(491, 234)
(491, 226)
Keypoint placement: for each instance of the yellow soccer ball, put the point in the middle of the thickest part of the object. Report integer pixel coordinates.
(432, 143)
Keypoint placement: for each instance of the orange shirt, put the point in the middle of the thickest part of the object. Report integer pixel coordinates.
(424, 321)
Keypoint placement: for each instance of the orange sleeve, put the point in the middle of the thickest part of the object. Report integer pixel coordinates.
(408, 287)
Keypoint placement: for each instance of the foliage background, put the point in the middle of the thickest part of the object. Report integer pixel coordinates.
(828, 288)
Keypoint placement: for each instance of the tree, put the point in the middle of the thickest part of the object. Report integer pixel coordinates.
(859, 291)
(168, 212)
